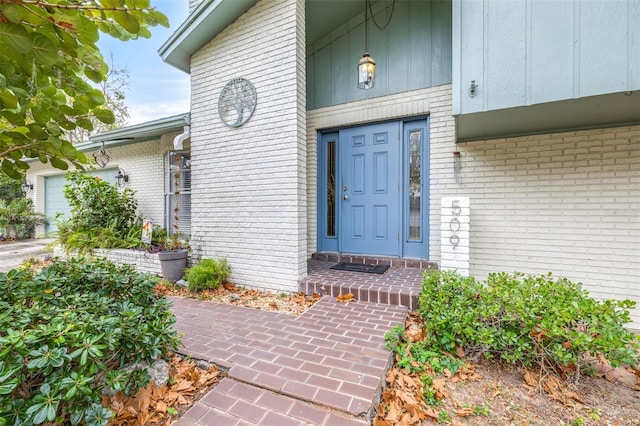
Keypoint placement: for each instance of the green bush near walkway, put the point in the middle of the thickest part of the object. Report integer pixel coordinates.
(65, 330)
(542, 321)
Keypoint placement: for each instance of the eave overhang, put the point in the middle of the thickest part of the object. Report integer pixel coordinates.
(207, 20)
(136, 133)
(592, 112)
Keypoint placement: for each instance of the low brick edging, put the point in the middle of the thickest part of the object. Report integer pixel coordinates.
(142, 261)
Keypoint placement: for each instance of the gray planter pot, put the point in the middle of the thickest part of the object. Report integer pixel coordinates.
(172, 264)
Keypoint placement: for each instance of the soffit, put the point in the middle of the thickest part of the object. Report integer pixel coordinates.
(210, 18)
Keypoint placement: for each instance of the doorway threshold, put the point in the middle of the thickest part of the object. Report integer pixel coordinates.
(363, 259)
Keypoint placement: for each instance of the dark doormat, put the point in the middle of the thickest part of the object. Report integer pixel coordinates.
(357, 267)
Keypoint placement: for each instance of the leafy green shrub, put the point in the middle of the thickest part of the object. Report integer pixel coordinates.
(63, 330)
(17, 217)
(532, 320)
(208, 274)
(101, 216)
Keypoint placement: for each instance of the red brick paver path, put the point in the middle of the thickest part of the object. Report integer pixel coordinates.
(324, 367)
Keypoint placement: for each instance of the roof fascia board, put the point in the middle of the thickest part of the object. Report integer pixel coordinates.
(136, 133)
(207, 20)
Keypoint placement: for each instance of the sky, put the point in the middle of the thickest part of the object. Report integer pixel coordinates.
(156, 89)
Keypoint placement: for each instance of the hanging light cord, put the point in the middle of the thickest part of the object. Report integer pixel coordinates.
(373, 17)
(366, 32)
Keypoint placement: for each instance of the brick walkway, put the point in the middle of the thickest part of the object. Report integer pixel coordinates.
(324, 367)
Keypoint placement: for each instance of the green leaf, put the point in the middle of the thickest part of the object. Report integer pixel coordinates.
(160, 18)
(104, 115)
(141, 4)
(8, 98)
(93, 75)
(85, 123)
(127, 21)
(59, 164)
(11, 12)
(44, 50)
(144, 32)
(9, 169)
(68, 150)
(14, 37)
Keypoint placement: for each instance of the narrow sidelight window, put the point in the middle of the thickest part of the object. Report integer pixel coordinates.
(415, 185)
(331, 189)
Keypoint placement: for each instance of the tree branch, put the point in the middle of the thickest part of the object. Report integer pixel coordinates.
(4, 153)
(40, 3)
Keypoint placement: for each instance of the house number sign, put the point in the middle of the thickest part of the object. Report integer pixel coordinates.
(454, 223)
(237, 102)
(454, 234)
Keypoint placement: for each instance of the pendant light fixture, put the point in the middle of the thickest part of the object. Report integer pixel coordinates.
(366, 66)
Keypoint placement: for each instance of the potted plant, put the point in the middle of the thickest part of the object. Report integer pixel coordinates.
(173, 257)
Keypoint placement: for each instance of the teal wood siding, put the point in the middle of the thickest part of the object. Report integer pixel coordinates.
(527, 52)
(413, 53)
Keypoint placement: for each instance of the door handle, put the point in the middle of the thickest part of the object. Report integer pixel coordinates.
(345, 197)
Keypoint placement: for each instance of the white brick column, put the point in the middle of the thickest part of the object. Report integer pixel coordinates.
(249, 183)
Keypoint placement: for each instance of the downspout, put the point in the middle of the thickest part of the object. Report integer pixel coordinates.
(178, 141)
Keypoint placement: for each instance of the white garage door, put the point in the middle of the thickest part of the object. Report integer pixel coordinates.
(55, 205)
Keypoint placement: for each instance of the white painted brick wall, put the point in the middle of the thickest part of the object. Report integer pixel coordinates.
(249, 183)
(143, 163)
(143, 261)
(568, 203)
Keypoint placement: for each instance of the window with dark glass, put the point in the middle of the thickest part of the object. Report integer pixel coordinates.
(415, 185)
(331, 188)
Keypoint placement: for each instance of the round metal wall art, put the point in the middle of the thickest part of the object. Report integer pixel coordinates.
(237, 102)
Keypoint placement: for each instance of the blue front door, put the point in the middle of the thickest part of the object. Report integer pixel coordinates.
(368, 190)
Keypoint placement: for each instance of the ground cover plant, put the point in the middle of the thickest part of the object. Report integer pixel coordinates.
(208, 274)
(65, 332)
(547, 331)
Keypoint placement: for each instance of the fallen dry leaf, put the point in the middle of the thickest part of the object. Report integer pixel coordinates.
(464, 412)
(149, 406)
(345, 297)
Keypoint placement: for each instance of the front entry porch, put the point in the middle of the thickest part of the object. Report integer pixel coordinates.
(399, 285)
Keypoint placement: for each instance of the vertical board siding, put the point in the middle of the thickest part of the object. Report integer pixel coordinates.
(398, 66)
(504, 53)
(633, 44)
(603, 47)
(421, 46)
(414, 52)
(525, 52)
(553, 48)
(441, 43)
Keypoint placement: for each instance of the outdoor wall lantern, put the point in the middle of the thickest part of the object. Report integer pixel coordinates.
(366, 66)
(101, 157)
(122, 178)
(26, 187)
